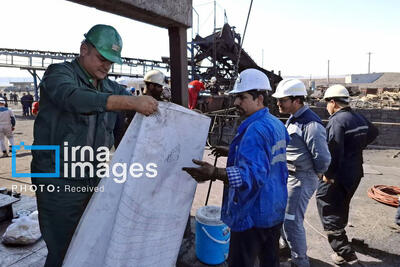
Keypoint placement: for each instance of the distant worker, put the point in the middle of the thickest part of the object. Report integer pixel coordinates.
(30, 102)
(255, 192)
(348, 134)
(213, 86)
(7, 124)
(194, 88)
(308, 158)
(15, 98)
(25, 102)
(35, 108)
(77, 109)
(154, 83)
(5, 99)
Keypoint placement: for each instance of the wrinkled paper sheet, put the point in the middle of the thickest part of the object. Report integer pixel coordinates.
(141, 222)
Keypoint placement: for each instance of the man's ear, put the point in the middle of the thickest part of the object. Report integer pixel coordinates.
(335, 104)
(260, 99)
(84, 49)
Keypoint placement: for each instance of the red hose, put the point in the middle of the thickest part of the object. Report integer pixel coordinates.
(385, 194)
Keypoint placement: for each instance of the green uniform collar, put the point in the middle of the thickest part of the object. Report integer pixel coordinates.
(86, 75)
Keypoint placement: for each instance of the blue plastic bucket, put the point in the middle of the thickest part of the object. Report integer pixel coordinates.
(212, 236)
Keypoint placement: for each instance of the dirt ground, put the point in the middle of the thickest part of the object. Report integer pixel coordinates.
(370, 221)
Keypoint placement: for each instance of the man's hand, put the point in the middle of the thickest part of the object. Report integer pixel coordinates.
(327, 180)
(220, 151)
(146, 105)
(205, 172)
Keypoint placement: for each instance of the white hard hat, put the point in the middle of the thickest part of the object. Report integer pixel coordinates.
(290, 87)
(251, 79)
(336, 91)
(155, 76)
(2, 101)
(213, 79)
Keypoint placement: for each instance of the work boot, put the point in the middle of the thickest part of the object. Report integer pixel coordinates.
(339, 260)
(5, 155)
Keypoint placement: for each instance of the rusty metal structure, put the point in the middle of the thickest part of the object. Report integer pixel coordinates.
(222, 49)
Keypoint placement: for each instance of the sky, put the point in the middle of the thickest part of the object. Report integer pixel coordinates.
(297, 37)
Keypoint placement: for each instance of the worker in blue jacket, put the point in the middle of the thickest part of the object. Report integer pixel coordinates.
(255, 178)
(348, 134)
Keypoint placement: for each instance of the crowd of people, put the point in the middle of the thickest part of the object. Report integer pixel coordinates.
(272, 169)
(27, 102)
(13, 98)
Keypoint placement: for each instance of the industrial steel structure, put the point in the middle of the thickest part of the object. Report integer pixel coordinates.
(35, 60)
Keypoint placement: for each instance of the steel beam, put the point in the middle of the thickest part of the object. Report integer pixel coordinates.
(179, 65)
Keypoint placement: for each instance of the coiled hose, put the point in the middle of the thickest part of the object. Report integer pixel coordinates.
(386, 194)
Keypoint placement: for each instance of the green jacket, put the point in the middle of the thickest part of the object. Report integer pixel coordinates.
(72, 110)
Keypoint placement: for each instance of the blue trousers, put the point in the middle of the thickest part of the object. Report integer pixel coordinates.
(301, 187)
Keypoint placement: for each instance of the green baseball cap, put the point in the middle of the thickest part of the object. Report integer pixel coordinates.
(107, 41)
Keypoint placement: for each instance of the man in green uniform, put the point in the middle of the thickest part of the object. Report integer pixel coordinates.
(77, 104)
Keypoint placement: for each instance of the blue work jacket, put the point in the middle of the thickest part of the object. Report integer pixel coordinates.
(348, 134)
(258, 155)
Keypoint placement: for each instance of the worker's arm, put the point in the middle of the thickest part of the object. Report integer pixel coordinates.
(13, 121)
(315, 139)
(372, 133)
(60, 86)
(247, 176)
(335, 136)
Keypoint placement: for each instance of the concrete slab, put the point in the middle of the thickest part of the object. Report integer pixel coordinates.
(32, 260)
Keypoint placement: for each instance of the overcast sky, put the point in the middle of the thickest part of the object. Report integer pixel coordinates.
(297, 36)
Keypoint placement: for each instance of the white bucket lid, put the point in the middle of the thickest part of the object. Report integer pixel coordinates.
(209, 215)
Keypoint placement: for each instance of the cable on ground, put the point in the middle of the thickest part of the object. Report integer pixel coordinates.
(386, 194)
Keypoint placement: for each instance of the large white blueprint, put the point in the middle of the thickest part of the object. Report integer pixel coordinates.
(141, 222)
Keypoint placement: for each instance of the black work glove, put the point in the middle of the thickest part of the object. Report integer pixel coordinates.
(220, 151)
(205, 172)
